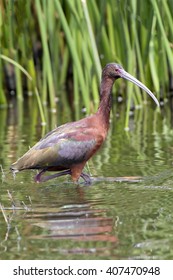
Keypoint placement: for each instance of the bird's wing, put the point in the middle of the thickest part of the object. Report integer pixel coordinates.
(61, 147)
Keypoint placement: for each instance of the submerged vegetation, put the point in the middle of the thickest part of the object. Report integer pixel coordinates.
(63, 45)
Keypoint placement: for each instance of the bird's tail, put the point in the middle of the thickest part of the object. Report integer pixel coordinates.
(14, 168)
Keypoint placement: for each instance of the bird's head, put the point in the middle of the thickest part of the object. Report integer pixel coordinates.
(115, 71)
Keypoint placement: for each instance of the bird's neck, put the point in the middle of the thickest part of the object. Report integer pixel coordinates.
(105, 101)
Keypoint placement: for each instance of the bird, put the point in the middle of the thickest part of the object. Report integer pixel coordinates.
(68, 147)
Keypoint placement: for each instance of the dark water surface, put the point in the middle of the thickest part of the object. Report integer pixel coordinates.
(107, 220)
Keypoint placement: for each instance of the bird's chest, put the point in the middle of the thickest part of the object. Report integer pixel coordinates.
(98, 137)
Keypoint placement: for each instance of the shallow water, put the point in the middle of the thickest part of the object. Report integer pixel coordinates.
(107, 220)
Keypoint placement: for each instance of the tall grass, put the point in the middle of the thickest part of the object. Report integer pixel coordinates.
(60, 43)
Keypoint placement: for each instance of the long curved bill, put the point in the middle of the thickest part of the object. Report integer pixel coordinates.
(132, 79)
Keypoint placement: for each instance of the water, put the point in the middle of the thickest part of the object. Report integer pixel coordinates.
(107, 220)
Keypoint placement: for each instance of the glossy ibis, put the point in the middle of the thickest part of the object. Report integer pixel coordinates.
(68, 147)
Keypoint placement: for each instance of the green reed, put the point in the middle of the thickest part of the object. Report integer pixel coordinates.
(64, 45)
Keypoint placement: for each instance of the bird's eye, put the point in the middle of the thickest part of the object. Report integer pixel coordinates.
(116, 72)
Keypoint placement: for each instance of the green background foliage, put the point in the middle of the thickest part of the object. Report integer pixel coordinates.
(63, 45)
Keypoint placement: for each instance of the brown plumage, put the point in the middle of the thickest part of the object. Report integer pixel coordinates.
(68, 147)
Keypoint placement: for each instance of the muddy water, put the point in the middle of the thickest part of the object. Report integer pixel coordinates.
(107, 220)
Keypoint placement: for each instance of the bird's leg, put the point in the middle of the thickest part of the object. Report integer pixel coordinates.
(86, 178)
(39, 179)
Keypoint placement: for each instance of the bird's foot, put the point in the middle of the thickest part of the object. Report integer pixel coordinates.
(86, 178)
